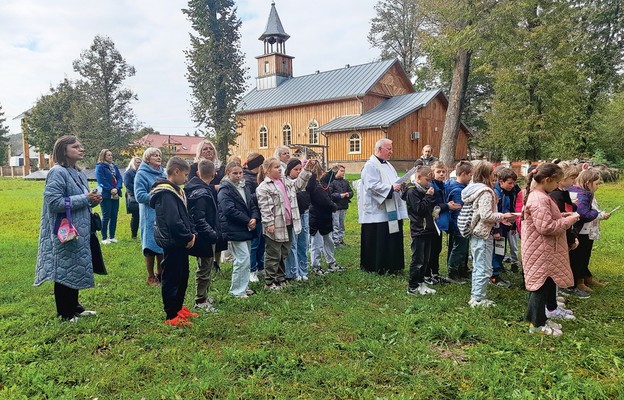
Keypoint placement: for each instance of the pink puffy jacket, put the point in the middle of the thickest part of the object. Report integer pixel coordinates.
(544, 245)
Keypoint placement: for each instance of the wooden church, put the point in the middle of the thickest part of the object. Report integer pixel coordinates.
(338, 114)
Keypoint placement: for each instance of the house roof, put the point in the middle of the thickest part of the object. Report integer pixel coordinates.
(274, 26)
(385, 114)
(186, 145)
(347, 82)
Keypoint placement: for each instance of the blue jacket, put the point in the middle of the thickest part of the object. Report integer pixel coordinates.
(66, 263)
(143, 181)
(453, 193)
(506, 204)
(104, 178)
(235, 213)
(444, 219)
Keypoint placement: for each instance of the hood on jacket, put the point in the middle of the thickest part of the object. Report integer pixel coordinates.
(148, 169)
(196, 188)
(161, 186)
(453, 184)
(472, 191)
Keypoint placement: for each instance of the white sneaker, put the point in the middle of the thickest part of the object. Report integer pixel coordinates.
(206, 306)
(560, 313)
(86, 313)
(304, 277)
(552, 324)
(298, 279)
(424, 289)
(106, 241)
(480, 303)
(253, 277)
(112, 240)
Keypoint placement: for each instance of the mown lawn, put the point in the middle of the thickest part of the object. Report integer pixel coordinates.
(346, 335)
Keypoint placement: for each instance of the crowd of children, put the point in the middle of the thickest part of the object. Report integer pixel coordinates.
(302, 209)
(483, 209)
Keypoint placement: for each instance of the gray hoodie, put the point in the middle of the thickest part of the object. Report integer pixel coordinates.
(483, 201)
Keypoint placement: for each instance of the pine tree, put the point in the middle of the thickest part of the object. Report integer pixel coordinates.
(215, 69)
(104, 118)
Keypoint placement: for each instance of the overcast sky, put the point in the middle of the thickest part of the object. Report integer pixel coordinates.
(39, 39)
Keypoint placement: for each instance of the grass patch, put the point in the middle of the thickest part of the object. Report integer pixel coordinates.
(349, 335)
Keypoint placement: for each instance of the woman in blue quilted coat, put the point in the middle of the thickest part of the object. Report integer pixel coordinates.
(67, 264)
(149, 172)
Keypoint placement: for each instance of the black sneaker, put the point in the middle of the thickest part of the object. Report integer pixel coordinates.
(580, 294)
(441, 279)
(498, 281)
(515, 268)
(431, 280)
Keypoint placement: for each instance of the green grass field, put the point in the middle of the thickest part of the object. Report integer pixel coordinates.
(347, 335)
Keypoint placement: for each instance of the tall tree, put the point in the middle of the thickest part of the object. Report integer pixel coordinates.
(215, 69)
(4, 139)
(398, 31)
(105, 117)
(53, 116)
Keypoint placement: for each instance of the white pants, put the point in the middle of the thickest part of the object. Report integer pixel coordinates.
(321, 244)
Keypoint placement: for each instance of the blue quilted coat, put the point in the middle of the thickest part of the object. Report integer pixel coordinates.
(69, 263)
(144, 179)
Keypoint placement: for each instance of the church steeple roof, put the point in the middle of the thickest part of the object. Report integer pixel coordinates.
(274, 31)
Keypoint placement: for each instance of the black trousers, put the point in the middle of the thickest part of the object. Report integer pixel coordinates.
(134, 223)
(421, 250)
(433, 266)
(539, 300)
(579, 258)
(174, 279)
(66, 300)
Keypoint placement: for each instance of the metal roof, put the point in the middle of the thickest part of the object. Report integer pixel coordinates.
(385, 114)
(341, 83)
(274, 26)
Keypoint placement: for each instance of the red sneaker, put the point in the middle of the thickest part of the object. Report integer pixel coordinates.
(186, 313)
(178, 322)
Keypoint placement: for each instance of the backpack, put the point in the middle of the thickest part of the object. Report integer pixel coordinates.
(464, 220)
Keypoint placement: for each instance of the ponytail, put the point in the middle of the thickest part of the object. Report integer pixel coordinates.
(266, 165)
(538, 174)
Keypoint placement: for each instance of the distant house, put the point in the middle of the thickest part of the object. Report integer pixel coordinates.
(174, 145)
(340, 113)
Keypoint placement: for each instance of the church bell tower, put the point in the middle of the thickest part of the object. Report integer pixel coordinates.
(274, 66)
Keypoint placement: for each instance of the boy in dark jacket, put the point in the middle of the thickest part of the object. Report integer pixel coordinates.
(174, 232)
(506, 180)
(341, 194)
(442, 219)
(420, 204)
(202, 205)
(458, 245)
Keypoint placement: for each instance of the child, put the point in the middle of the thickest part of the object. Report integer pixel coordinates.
(173, 232)
(506, 180)
(544, 250)
(238, 225)
(278, 205)
(297, 260)
(420, 201)
(482, 199)
(202, 204)
(458, 246)
(321, 226)
(341, 194)
(432, 270)
(588, 227)
(250, 175)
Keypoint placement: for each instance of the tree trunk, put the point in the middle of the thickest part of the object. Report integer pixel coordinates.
(456, 102)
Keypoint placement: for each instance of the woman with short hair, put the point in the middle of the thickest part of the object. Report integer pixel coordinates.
(132, 206)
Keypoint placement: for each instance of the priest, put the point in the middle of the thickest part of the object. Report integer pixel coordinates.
(381, 213)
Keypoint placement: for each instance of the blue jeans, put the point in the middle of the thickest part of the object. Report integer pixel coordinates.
(110, 209)
(482, 250)
(338, 221)
(257, 250)
(240, 268)
(297, 260)
(497, 259)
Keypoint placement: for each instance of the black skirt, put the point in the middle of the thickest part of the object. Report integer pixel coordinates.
(381, 251)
